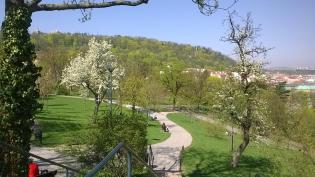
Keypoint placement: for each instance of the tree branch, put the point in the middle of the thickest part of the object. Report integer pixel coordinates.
(35, 2)
(84, 5)
(208, 7)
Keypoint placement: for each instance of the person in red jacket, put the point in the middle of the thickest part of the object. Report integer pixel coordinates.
(32, 169)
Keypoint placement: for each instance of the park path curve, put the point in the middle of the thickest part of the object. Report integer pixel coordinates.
(166, 154)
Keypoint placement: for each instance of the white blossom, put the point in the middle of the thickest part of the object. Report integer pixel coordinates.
(91, 70)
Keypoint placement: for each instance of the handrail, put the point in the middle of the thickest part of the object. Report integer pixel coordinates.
(98, 167)
(142, 161)
(38, 157)
(109, 156)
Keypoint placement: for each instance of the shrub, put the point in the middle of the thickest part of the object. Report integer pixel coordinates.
(112, 129)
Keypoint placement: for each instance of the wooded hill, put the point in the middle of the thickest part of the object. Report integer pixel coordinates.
(149, 52)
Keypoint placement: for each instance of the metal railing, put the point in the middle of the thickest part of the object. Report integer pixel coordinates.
(21, 151)
(130, 155)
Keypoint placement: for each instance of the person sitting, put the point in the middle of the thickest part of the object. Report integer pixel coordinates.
(164, 127)
(32, 169)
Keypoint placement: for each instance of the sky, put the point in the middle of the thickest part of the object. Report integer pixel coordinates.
(288, 26)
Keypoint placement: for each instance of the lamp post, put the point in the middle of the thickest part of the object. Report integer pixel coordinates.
(110, 69)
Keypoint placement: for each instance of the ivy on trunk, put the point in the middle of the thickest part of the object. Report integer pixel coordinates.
(18, 75)
(18, 91)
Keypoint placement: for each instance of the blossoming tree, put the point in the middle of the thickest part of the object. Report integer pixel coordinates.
(240, 98)
(96, 71)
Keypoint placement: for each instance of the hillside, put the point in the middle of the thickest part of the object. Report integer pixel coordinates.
(134, 49)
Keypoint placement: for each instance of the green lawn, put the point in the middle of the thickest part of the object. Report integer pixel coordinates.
(209, 154)
(155, 132)
(63, 118)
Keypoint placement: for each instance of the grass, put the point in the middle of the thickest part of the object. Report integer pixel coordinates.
(155, 132)
(209, 154)
(63, 118)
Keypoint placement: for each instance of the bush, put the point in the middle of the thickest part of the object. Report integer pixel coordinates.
(129, 128)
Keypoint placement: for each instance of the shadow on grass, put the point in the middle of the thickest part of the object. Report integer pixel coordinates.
(57, 105)
(43, 118)
(59, 126)
(212, 164)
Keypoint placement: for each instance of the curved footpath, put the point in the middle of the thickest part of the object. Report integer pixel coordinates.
(166, 154)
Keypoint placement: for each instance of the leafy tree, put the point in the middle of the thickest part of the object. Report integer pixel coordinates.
(132, 89)
(96, 71)
(154, 92)
(240, 97)
(52, 60)
(196, 90)
(298, 123)
(112, 129)
(282, 91)
(173, 78)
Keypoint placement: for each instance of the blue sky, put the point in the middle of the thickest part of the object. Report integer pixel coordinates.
(287, 25)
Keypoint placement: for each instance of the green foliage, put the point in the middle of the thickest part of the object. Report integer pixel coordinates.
(210, 152)
(148, 54)
(132, 90)
(282, 91)
(174, 79)
(196, 92)
(18, 91)
(114, 128)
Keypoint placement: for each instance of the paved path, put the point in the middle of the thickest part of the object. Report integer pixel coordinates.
(166, 153)
(53, 155)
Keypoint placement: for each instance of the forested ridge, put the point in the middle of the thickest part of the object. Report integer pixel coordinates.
(139, 50)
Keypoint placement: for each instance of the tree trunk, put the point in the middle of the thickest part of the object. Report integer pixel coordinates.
(18, 90)
(96, 109)
(174, 103)
(238, 153)
(133, 107)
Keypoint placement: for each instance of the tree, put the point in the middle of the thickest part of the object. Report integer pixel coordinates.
(52, 60)
(240, 97)
(18, 74)
(154, 92)
(173, 79)
(196, 89)
(132, 89)
(96, 71)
